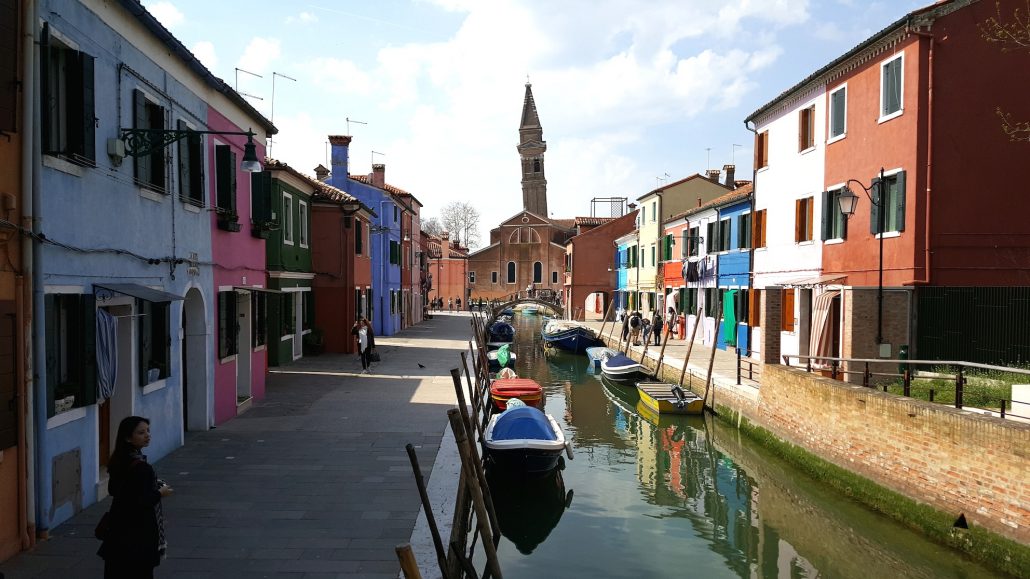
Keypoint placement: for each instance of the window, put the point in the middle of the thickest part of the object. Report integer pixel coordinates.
(695, 240)
(713, 237)
(287, 219)
(725, 243)
(359, 309)
(758, 229)
(838, 112)
(755, 309)
(744, 231)
(894, 203)
(684, 243)
(511, 272)
(288, 311)
(667, 247)
(493, 277)
(359, 238)
(536, 165)
(641, 257)
(393, 303)
(259, 319)
(891, 87)
(806, 128)
(67, 112)
(70, 349)
(803, 209)
(538, 272)
(396, 214)
(787, 311)
(632, 254)
(762, 149)
(154, 341)
(472, 277)
(225, 179)
(554, 277)
(395, 253)
(654, 211)
(835, 224)
(652, 255)
(227, 325)
(370, 303)
(305, 310)
(302, 214)
(711, 302)
(149, 170)
(191, 167)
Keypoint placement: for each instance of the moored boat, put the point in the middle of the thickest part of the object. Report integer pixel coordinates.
(529, 391)
(524, 440)
(568, 336)
(497, 360)
(597, 354)
(623, 368)
(666, 398)
(502, 332)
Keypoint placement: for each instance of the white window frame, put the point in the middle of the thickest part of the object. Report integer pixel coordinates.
(829, 105)
(901, 96)
(302, 213)
(287, 219)
(893, 232)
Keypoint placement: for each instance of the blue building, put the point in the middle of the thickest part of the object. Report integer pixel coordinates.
(122, 273)
(385, 234)
(625, 264)
(734, 266)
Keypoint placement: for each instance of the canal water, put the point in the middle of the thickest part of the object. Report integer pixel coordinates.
(662, 496)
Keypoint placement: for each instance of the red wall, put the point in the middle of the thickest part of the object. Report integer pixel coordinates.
(449, 277)
(593, 262)
(338, 272)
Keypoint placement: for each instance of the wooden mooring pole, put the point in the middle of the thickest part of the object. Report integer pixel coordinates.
(690, 345)
(478, 501)
(427, 508)
(605, 320)
(711, 360)
(408, 563)
(474, 454)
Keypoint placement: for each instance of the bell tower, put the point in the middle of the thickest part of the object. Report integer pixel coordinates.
(531, 151)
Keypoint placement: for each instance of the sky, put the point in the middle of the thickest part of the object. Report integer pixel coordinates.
(631, 93)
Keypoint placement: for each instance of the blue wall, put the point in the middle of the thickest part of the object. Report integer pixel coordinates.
(100, 208)
(735, 264)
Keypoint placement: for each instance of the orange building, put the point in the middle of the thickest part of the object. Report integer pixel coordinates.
(448, 270)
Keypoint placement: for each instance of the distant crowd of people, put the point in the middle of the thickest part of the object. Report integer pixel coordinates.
(635, 326)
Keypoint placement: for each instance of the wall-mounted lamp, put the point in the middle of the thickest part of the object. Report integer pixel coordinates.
(142, 142)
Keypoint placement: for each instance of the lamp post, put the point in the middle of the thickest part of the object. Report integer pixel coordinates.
(142, 142)
(848, 201)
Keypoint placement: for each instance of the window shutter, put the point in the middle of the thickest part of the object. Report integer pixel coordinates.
(765, 148)
(88, 350)
(52, 340)
(141, 164)
(145, 340)
(223, 183)
(9, 409)
(900, 209)
(809, 217)
(874, 208)
(232, 180)
(197, 164)
(797, 220)
(87, 143)
(45, 53)
(357, 237)
(802, 129)
(261, 196)
(223, 325)
(183, 149)
(787, 311)
(827, 220)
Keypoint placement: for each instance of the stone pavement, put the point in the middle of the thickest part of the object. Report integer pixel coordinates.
(311, 482)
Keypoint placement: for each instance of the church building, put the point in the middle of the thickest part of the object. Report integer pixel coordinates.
(528, 249)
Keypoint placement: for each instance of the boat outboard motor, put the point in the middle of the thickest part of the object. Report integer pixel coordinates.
(681, 398)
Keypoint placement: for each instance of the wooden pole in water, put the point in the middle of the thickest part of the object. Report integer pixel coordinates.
(478, 502)
(474, 453)
(605, 320)
(472, 394)
(711, 359)
(459, 530)
(661, 355)
(408, 564)
(690, 345)
(427, 508)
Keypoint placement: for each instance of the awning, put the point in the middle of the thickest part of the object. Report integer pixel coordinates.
(820, 339)
(814, 281)
(139, 291)
(256, 289)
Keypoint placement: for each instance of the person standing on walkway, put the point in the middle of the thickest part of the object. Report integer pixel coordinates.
(450, 304)
(656, 328)
(364, 337)
(134, 539)
(673, 320)
(458, 303)
(634, 328)
(645, 328)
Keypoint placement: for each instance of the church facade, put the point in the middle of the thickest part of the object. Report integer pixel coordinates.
(526, 250)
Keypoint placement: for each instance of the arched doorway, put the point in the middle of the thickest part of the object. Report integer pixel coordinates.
(195, 405)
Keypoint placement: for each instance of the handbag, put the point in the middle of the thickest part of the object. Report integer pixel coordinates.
(103, 528)
(373, 356)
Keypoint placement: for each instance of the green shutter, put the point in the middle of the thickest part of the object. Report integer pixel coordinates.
(874, 208)
(900, 208)
(261, 196)
(827, 225)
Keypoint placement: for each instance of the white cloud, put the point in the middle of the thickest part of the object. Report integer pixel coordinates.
(205, 51)
(167, 14)
(260, 54)
(303, 18)
(338, 76)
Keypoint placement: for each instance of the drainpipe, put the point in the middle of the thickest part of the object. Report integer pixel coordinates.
(929, 160)
(29, 195)
(751, 250)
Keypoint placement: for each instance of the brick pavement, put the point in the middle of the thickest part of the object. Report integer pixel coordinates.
(311, 482)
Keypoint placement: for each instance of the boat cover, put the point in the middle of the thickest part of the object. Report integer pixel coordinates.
(522, 423)
(514, 387)
(620, 361)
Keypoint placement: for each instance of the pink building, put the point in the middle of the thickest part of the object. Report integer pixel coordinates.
(240, 278)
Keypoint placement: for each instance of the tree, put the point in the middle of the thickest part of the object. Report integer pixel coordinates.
(432, 226)
(1011, 36)
(461, 219)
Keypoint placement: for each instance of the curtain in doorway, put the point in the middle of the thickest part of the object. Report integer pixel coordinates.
(729, 318)
(107, 354)
(820, 339)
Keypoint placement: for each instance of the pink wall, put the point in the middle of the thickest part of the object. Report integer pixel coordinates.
(239, 261)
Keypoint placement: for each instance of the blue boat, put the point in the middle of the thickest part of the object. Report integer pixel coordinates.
(597, 354)
(502, 332)
(524, 440)
(570, 337)
(508, 312)
(622, 368)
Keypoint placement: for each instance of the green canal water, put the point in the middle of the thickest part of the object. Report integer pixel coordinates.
(650, 496)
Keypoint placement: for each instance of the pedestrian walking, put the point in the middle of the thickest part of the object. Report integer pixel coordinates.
(645, 329)
(673, 321)
(634, 327)
(366, 343)
(656, 328)
(450, 304)
(133, 530)
(458, 303)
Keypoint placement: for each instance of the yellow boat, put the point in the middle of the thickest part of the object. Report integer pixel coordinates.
(666, 398)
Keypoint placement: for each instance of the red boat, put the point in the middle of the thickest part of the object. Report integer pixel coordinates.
(529, 391)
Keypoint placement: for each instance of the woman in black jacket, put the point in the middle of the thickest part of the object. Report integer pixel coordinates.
(134, 541)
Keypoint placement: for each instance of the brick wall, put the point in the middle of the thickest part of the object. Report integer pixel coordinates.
(770, 324)
(955, 460)
(859, 336)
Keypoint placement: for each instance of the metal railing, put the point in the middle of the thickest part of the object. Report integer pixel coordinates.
(840, 368)
(753, 371)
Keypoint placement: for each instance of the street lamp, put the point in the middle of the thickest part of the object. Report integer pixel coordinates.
(848, 201)
(142, 142)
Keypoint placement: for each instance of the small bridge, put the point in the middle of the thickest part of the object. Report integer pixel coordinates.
(516, 301)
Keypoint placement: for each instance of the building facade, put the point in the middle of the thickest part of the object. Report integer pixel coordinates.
(590, 268)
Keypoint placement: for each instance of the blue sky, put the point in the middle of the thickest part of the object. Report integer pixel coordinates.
(627, 91)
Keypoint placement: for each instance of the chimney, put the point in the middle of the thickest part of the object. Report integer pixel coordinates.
(321, 173)
(713, 175)
(730, 170)
(379, 175)
(340, 151)
(445, 237)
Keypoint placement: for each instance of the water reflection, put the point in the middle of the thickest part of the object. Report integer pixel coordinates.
(668, 496)
(528, 509)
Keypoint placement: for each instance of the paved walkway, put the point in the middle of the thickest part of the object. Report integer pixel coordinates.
(312, 482)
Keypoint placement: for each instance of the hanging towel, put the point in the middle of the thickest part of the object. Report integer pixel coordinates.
(107, 354)
(729, 318)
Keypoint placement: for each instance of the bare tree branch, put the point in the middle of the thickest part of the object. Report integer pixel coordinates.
(432, 226)
(1017, 131)
(1013, 35)
(461, 220)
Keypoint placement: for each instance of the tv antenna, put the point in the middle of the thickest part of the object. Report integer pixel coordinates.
(658, 180)
(708, 161)
(238, 71)
(733, 152)
(373, 156)
(272, 119)
(349, 121)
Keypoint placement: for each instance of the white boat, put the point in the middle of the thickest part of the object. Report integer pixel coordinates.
(622, 368)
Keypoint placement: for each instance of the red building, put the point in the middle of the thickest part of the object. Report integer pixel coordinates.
(590, 265)
(341, 257)
(448, 269)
